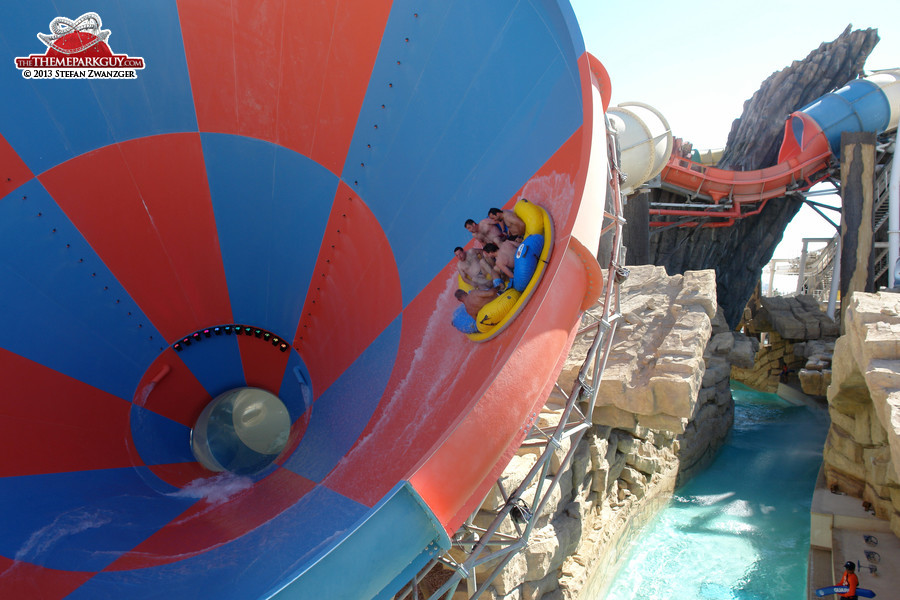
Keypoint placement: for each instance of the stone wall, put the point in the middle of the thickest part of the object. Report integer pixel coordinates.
(773, 354)
(862, 451)
(815, 376)
(797, 335)
(663, 410)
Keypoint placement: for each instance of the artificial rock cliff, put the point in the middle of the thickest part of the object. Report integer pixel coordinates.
(862, 451)
(663, 410)
(798, 339)
(738, 253)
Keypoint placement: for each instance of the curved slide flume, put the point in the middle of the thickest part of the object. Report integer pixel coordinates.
(271, 203)
(811, 139)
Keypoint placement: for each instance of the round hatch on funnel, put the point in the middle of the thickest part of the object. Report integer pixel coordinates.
(242, 431)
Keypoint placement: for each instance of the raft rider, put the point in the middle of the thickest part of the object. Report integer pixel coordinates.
(472, 269)
(485, 231)
(501, 259)
(509, 223)
(474, 300)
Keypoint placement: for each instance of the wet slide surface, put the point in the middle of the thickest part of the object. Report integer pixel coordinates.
(302, 170)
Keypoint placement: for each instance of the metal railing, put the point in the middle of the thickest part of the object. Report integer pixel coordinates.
(816, 271)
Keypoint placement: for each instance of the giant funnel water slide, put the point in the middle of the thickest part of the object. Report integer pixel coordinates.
(248, 250)
(812, 137)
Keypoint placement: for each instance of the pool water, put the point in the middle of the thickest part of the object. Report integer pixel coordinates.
(740, 529)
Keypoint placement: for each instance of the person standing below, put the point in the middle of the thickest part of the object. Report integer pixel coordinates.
(850, 580)
(509, 223)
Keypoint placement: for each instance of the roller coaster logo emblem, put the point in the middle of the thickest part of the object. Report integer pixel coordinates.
(78, 49)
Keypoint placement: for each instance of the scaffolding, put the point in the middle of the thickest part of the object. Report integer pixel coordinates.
(813, 269)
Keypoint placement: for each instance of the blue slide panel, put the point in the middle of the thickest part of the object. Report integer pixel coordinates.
(71, 314)
(342, 412)
(218, 368)
(404, 535)
(88, 518)
(296, 387)
(95, 113)
(255, 561)
(458, 121)
(271, 220)
(561, 17)
(858, 106)
(159, 440)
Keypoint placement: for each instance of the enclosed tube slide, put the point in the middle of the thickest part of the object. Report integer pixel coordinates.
(256, 227)
(645, 142)
(811, 138)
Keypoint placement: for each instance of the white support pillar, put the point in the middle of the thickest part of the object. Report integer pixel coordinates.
(802, 271)
(894, 214)
(835, 278)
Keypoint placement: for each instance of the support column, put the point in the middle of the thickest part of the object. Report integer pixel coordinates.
(802, 266)
(857, 195)
(636, 235)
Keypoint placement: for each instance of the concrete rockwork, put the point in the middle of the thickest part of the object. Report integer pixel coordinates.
(797, 343)
(862, 451)
(663, 409)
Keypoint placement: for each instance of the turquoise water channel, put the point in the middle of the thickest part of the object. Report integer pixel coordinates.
(740, 529)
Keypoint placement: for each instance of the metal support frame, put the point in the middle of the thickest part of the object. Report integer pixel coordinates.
(812, 269)
(735, 207)
(484, 545)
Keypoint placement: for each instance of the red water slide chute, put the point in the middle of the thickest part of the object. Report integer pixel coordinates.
(811, 140)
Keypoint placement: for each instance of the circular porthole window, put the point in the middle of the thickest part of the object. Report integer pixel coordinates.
(241, 431)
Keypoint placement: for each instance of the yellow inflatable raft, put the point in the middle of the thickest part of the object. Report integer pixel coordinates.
(497, 314)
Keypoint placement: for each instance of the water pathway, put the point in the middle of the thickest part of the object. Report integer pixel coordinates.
(740, 529)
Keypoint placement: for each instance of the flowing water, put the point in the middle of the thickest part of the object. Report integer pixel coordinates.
(740, 529)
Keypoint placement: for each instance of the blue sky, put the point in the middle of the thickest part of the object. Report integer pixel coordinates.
(698, 62)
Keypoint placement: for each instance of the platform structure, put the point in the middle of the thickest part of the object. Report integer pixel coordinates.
(842, 530)
(884, 160)
(813, 269)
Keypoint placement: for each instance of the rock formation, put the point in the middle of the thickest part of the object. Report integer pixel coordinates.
(663, 410)
(815, 376)
(795, 318)
(755, 138)
(798, 338)
(738, 253)
(862, 451)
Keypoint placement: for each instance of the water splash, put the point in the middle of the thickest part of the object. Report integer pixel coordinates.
(214, 490)
(437, 349)
(555, 192)
(65, 525)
